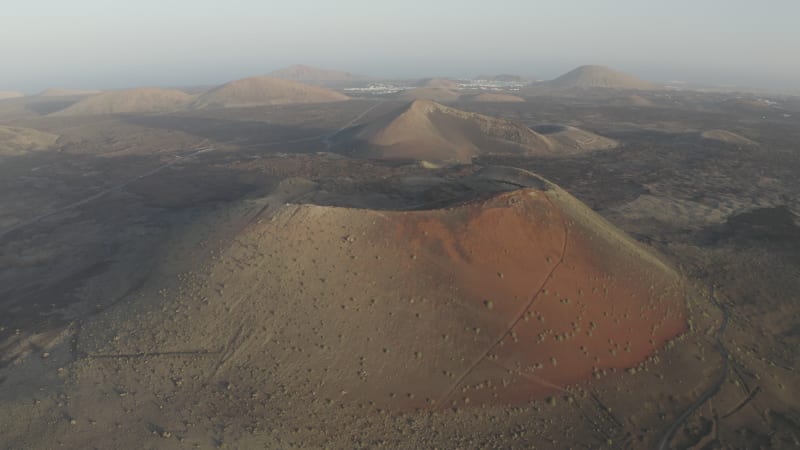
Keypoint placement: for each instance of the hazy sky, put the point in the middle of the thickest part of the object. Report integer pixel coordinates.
(110, 43)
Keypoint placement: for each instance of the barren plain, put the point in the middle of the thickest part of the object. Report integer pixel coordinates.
(249, 277)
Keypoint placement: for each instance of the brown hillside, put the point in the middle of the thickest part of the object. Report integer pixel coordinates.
(425, 130)
(261, 91)
(572, 140)
(143, 100)
(440, 95)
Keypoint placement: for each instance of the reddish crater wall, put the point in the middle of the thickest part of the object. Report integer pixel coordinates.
(556, 298)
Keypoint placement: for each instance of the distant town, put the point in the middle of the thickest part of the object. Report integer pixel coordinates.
(389, 88)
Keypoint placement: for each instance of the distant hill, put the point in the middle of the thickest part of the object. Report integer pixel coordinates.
(489, 97)
(428, 131)
(17, 141)
(441, 90)
(142, 100)
(262, 91)
(441, 95)
(572, 141)
(438, 83)
(308, 74)
(591, 77)
(57, 92)
(10, 94)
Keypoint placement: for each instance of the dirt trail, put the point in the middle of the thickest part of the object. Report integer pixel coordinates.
(519, 317)
(102, 193)
(669, 434)
(326, 139)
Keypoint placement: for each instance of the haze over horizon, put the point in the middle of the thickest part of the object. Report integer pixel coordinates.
(88, 44)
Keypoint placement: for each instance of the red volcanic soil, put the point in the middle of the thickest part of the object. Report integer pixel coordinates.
(502, 301)
(498, 301)
(555, 296)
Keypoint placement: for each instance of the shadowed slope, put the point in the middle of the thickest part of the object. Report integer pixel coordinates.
(261, 91)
